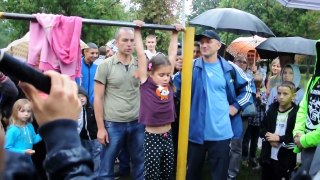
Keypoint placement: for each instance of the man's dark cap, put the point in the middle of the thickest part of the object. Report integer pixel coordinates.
(209, 34)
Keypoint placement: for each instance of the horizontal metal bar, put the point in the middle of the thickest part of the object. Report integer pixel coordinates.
(29, 17)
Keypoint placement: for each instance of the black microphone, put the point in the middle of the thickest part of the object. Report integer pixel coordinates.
(21, 71)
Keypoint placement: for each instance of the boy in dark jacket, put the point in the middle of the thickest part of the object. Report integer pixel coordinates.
(87, 128)
(277, 158)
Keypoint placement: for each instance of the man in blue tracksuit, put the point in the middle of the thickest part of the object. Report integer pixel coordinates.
(88, 70)
(220, 90)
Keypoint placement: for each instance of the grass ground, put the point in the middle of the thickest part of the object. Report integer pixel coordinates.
(249, 174)
(246, 173)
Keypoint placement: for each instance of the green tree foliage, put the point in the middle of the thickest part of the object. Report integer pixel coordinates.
(4, 32)
(200, 6)
(91, 9)
(157, 12)
(4, 35)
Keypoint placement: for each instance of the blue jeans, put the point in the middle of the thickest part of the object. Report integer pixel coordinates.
(124, 159)
(94, 148)
(130, 133)
(236, 152)
(251, 137)
(218, 159)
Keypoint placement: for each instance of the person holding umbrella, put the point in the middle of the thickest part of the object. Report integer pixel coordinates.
(289, 72)
(236, 144)
(274, 77)
(251, 59)
(215, 107)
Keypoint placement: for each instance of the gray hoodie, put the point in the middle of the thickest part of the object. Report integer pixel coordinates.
(296, 80)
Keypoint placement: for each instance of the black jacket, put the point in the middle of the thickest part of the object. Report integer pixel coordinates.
(17, 166)
(66, 158)
(285, 155)
(89, 130)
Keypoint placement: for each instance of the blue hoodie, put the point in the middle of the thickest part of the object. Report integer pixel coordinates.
(88, 71)
(240, 83)
(19, 139)
(296, 80)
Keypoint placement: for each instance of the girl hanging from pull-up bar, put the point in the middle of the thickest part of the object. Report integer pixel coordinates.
(157, 106)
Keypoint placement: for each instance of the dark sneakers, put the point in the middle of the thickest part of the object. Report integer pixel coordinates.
(253, 163)
(232, 177)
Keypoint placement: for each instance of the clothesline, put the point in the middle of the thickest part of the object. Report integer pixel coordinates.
(29, 17)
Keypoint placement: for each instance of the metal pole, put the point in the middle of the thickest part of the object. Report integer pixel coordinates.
(183, 12)
(29, 17)
(185, 102)
(183, 21)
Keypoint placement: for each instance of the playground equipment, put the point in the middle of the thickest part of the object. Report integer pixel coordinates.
(21, 71)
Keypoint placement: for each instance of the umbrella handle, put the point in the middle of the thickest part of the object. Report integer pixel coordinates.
(21, 71)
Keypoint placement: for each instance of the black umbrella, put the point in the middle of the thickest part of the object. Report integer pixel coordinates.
(275, 46)
(233, 20)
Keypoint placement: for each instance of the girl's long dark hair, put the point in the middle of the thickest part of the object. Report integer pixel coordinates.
(157, 61)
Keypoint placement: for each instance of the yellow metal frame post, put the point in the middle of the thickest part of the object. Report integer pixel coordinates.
(186, 80)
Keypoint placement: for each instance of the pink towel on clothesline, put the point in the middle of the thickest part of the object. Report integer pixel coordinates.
(55, 44)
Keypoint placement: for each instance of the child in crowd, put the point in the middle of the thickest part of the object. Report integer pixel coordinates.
(277, 158)
(20, 135)
(290, 72)
(251, 134)
(274, 77)
(157, 106)
(56, 115)
(151, 44)
(87, 128)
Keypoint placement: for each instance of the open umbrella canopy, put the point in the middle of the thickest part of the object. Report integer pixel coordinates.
(274, 46)
(242, 45)
(19, 47)
(302, 4)
(232, 20)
